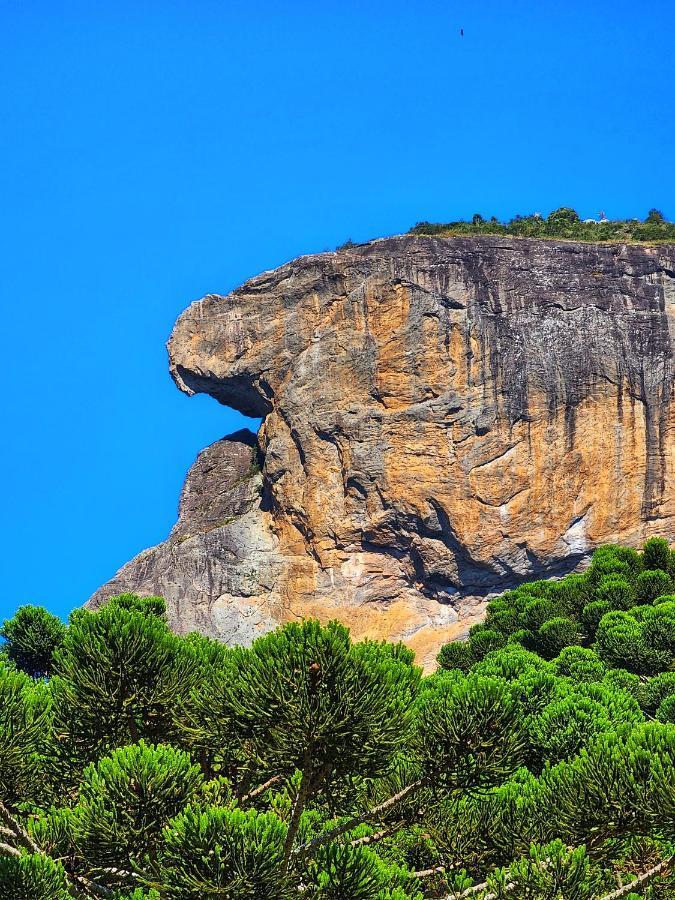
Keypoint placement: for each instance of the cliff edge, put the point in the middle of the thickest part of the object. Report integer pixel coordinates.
(442, 417)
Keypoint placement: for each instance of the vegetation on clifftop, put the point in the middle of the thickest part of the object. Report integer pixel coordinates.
(538, 762)
(561, 223)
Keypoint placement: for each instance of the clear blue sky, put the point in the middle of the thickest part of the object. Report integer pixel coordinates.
(151, 152)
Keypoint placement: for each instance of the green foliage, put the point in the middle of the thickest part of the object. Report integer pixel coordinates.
(511, 662)
(157, 767)
(652, 583)
(456, 655)
(656, 555)
(622, 784)
(621, 680)
(564, 727)
(610, 605)
(574, 717)
(579, 664)
(538, 611)
(469, 733)
(556, 634)
(548, 871)
(656, 690)
(616, 591)
(339, 871)
(619, 642)
(52, 831)
(306, 698)
(613, 560)
(214, 852)
(561, 223)
(127, 798)
(149, 606)
(32, 636)
(642, 641)
(484, 640)
(24, 723)
(592, 614)
(139, 894)
(524, 637)
(572, 593)
(666, 710)
(118, 676)
(32, 876)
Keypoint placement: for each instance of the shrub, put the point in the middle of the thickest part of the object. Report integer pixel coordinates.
(127, 798)
(485, 641)
(118, 677)
(656, 554)
(658, 629)
(34, 877)
(621, 680)
(24, 725)
(456, 655)
(666, 710)
(571, 594)
(33, 635)
(562, 217)
(608, 560)
(579, 664)
(565, 726)
(616, 591)
(340, 871)
(149, 606)
(656, 690)
(593, 613)
(469, 733)
(538, 611)
(509, 662)
(555, 634)
(620, 643)
(209, 851)
(563, 222)
(305, 698)
(524, 637)
(651, 584)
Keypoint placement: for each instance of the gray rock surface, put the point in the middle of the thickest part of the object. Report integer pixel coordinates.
(219, 565)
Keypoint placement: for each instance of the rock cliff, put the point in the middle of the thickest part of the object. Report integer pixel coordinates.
(442, 417)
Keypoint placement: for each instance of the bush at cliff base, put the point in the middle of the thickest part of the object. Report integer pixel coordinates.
(538, 761)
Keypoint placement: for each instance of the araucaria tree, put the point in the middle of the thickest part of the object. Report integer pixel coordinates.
(537, 762)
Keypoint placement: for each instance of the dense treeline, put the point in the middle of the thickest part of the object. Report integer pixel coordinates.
(537, 762)
(561, 223)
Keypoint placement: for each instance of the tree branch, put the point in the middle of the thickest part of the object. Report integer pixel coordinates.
(372, 838)
(645, 878)
(16, 830)
(426, 873)
(9, 851)
(88, 887)
(19, 833)
(357, 820)
(261, 789)
(477, 888)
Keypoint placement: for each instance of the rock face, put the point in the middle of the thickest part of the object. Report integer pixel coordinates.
(442, 417)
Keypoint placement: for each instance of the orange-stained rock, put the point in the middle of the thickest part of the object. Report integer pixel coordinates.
(441, 418)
